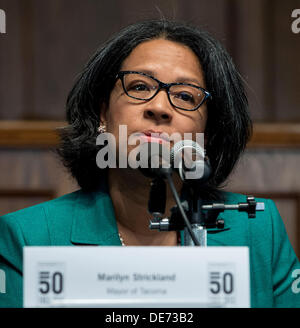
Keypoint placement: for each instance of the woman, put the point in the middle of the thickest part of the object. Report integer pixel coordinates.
(111, 207)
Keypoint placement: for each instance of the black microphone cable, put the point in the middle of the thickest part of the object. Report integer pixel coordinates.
(177, 200)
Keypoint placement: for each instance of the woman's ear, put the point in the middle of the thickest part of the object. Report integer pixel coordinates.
(103, 112)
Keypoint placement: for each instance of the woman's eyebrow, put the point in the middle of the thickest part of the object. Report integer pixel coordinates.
(180, 79)
(188, 80)
(146, 71)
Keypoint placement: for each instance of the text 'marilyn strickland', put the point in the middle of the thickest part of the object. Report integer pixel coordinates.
(136, 277)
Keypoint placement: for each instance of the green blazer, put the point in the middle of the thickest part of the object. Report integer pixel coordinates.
(82, 218)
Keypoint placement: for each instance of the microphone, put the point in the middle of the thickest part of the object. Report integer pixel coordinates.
(155, 160)
(188, 157)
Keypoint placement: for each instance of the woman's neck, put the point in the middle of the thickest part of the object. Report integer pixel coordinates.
(129, 191)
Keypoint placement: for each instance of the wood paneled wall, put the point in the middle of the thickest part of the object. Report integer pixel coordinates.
(48, 42)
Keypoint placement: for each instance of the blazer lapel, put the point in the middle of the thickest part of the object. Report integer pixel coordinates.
(94, 220)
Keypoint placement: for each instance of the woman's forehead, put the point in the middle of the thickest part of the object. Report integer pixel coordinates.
(164, 58)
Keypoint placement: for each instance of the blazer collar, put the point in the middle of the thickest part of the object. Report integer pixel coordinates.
(94, 220)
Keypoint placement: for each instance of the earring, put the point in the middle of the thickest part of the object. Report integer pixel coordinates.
(102, 128)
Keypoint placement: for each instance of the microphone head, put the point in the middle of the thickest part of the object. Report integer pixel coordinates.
(181, 145)
(188, 157)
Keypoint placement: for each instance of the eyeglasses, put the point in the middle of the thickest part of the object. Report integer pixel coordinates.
(142, 86)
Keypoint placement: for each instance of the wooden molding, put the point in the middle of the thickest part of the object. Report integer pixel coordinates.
(271, 135)
(42, 134)
(29, 134)
(25, 193)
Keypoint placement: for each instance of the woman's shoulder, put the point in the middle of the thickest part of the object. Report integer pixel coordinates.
(234, 198)
(267, 205)
(266, 228)
(33, 212)
(266, 232)
(31, 225)
(266, 218)
(35, 225)
(50, 222)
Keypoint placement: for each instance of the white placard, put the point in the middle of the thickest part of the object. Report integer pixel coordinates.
(154, 277)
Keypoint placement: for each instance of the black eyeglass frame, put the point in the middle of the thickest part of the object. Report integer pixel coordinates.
(162, 85)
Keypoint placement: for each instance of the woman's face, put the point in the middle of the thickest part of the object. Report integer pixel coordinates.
(169, 62)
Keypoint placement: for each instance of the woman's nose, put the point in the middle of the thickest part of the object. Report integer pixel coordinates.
(159, 108)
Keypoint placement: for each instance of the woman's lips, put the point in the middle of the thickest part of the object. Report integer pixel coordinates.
(155, 136)
(147, 138)
(151, 136)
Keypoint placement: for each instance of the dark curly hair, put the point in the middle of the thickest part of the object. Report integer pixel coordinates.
(228, 126)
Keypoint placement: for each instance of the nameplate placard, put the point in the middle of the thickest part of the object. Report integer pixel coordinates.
(112, 276)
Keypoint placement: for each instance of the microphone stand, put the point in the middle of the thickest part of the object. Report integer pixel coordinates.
(157, 199)
(197, 220)
(190, 215)
(200, 217)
